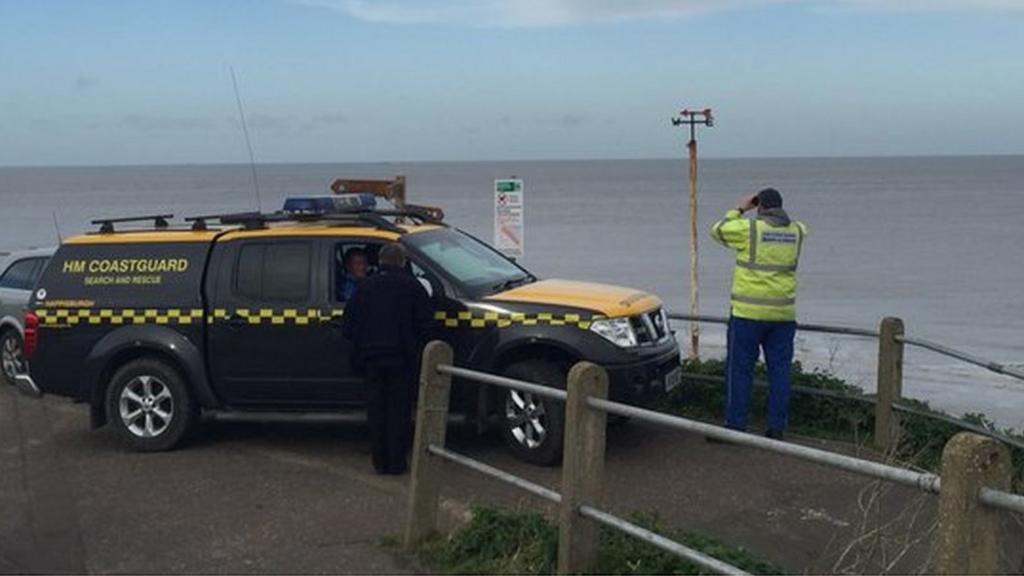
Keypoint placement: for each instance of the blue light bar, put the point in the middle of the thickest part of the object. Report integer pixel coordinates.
(329, 204)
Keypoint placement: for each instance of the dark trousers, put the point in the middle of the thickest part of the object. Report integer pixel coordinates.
(746, 339)
(389, 413)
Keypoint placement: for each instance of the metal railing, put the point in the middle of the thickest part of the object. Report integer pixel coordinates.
(989, 365)
(581, 497)
(891, 343)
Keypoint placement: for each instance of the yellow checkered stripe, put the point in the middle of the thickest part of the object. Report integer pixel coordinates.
(64, 317)
(504, 320)
(180, 316)
(276, 317)
(118, 316)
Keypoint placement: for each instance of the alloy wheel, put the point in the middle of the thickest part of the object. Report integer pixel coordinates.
(146, 406)
(11, 358)
(526, 418)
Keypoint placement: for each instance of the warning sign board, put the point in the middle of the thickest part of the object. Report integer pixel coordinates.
(508, 217)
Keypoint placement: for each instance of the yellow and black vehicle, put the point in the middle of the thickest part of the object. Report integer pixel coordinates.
(153, 326)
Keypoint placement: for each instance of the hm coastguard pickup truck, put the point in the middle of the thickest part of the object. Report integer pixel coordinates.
(153, 326)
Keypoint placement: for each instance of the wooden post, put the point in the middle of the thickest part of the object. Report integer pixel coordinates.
(582, 468)
(694, 287)
(890, 382)
(969, 536)
(431, 427)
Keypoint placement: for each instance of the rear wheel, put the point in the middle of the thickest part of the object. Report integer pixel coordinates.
(150, 405)
(533, 425)
(11, 358)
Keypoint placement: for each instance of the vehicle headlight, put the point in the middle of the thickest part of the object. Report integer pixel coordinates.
(618, 331)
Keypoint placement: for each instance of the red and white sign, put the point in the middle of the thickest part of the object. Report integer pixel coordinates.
(508, 217)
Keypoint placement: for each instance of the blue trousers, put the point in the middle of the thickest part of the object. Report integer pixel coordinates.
(746, 339)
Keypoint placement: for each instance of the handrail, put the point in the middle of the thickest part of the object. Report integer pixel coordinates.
(1001, 499)
(582, 479)
(495, 380)
(584, 510)
(964, 356)
(990, 365)
(923, 481)
(511, 479)
(826, 328)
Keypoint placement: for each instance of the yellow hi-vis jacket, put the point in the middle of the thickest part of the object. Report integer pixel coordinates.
(764, 280)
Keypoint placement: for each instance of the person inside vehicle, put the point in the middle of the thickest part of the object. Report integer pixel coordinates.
(355, 271)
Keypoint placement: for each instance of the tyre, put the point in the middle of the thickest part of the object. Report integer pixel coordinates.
(150, 405)
(11, 358)
(532, 425)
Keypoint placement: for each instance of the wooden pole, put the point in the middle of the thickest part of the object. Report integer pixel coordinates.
(694, 289)
(431, 428)
(890, 382)
(582, 468)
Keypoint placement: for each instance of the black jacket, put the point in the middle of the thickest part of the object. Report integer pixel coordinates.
(389, 317)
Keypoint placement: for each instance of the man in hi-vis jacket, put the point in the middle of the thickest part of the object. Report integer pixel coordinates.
(763, 304)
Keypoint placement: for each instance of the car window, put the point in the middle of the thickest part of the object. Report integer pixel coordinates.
(40, 266)
(353, 261)
(20, 275)
(278, 272)
(471, 262)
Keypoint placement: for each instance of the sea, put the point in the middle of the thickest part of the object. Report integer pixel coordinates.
(936, 241)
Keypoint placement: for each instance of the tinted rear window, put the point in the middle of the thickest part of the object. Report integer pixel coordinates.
(274, 272)
(20, 275)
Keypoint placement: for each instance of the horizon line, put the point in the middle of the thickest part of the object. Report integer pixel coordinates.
(511, 160)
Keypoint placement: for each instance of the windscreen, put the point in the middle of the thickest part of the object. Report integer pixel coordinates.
(477, 267)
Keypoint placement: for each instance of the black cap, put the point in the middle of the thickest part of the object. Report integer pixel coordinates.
(769, 198)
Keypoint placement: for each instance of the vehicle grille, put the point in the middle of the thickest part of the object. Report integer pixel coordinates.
(650, 327)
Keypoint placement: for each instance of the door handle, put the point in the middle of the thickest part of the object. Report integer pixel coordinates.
(236, 321)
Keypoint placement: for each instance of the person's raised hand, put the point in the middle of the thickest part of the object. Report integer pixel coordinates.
(747, 203)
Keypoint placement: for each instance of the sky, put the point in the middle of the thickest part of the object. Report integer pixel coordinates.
(149, 82)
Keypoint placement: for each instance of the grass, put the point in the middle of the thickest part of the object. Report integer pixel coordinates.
(845, 419)
(499, 541)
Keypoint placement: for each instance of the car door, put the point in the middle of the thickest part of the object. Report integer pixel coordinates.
(332, 353)
(267, 335)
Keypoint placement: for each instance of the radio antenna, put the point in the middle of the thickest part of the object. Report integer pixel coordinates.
(248, 143)
(56, 226)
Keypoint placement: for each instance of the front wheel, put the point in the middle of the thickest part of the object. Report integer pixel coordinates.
(11, 358)
(533, 425)
(150, 405)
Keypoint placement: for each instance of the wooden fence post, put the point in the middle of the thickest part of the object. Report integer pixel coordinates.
(969, 536)
(431, 427)
(890, 382)
(582, 468)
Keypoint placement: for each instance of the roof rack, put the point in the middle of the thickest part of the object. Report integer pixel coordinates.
(107, 224)
(374, 218)
(199, 222)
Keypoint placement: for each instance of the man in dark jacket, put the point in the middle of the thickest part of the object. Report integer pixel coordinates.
(388, 321)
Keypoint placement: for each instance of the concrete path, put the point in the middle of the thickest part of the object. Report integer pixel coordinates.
(239, 501)
(251, 498)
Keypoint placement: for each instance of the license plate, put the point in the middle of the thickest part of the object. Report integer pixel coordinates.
(674, 378)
